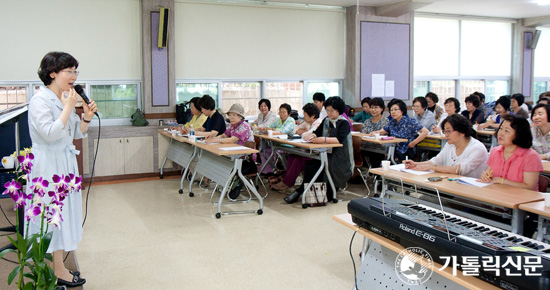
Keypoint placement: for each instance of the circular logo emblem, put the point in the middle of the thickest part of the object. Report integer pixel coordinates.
(414, 266)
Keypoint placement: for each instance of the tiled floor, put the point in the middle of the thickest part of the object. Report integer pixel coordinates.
(144, 235)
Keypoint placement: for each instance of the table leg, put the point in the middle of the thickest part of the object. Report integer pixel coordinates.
(324, 160)
(518, 216)
(391, 153)
(250, 186)
(540, 233)
(267, 160)
(312, 181)
(186, 170)
(165, 158)
(225, 189)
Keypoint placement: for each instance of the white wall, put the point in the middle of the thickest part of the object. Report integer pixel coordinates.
(103, 35)
(542, 53)
(241, 42)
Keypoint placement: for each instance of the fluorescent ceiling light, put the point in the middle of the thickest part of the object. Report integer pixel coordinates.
(542, 2)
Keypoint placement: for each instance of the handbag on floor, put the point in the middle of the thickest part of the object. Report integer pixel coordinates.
(316, 194)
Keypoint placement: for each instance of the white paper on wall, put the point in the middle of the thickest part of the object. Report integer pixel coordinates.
(378, 85)
(390, 86)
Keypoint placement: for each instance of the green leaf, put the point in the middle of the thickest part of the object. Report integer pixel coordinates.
(6, 251)
(14, 273)
(30, 276)
(40, 265)
(29, 286)
(47, 240)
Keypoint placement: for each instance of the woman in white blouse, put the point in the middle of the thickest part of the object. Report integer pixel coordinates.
(265, 117)
(463, 154)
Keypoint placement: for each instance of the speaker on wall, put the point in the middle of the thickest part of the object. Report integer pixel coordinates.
(163, 27)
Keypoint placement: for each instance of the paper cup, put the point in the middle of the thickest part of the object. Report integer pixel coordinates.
(174, 132)
(284, 137)
(192, 138)
(385, 165)
(270, 133)
(547, 199)
(377, 136)
(8, 162)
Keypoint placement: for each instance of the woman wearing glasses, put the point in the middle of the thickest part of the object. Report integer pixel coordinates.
(463, 154)
(53, 125)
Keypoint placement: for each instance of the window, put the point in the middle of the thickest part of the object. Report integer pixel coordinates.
(468, 87)
(542, 54)
(459, 52)
(245, 93)
(420, 89)
(495, 89)
(280, 93)
(115, 101)
(11, 96)
(443, 89)
(186, 91)
(330, 89)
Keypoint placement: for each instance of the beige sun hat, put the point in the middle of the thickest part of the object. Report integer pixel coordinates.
(237, 109)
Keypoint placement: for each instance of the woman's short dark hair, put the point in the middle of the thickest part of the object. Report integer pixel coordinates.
(267, 103)
(391, 102)
(312, 110)
(504, 101)
(336, 103)
(542, 99)
(422, 101)
(402, 106)
(455, 101)
(432, 96)
(366, 100)
(54, 62)
(207, 102)
(523, 137)
(379, 102)
(460, 124)
(195, 101)
(319, 97)
(474, 99)
(286, 107)
(545, 106)
(480, 95)
(519, 98)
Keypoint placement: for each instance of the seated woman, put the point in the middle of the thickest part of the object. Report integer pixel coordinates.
(401, 126)
(472, 112)
(333, 130)
(215, 124)
(265, 117)
(452, 106)
(377, 122)
(502, 107)
(541, 130)
(518, 106)
(365, 114)
(198, 118)
(513, 163)
(438, 111)
(238, 132)
(284, 124)
(295, 164)
(422, 115)
(463, 154)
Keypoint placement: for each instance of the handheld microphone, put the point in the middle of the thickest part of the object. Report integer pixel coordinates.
(80, 91)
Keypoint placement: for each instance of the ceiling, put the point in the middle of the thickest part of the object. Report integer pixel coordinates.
(491, 8)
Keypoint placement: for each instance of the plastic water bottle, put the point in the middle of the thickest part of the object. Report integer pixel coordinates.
(191, 133)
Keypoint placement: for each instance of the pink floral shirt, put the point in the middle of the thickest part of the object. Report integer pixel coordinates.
(523, 160)
(242, 131)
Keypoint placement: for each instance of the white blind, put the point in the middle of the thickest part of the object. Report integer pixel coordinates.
(436, 46)
(240, 42)
(104, 36)
(486, 48)
(542, 53)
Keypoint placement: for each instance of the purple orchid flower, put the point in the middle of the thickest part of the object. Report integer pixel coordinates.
(11, 187)
(39, 184)
(19, 198)
(53, 215)
(26, 162)
(35, 209)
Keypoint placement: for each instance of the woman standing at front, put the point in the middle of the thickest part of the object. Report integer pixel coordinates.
(53, 125)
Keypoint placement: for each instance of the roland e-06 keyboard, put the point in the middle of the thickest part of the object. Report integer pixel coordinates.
(414, 225)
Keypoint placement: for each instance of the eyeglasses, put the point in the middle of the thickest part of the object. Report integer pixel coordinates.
(330, 110)
(416, 107)
(72, 72)
(447, 132)
(395, 110)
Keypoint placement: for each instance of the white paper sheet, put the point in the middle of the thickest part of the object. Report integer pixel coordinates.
(378, 85)
(401, 167)
(472, 181)
(390, 88)
(234, 148)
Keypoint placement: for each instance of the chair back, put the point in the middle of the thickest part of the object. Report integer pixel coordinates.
(543, 183)
(250, 144)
